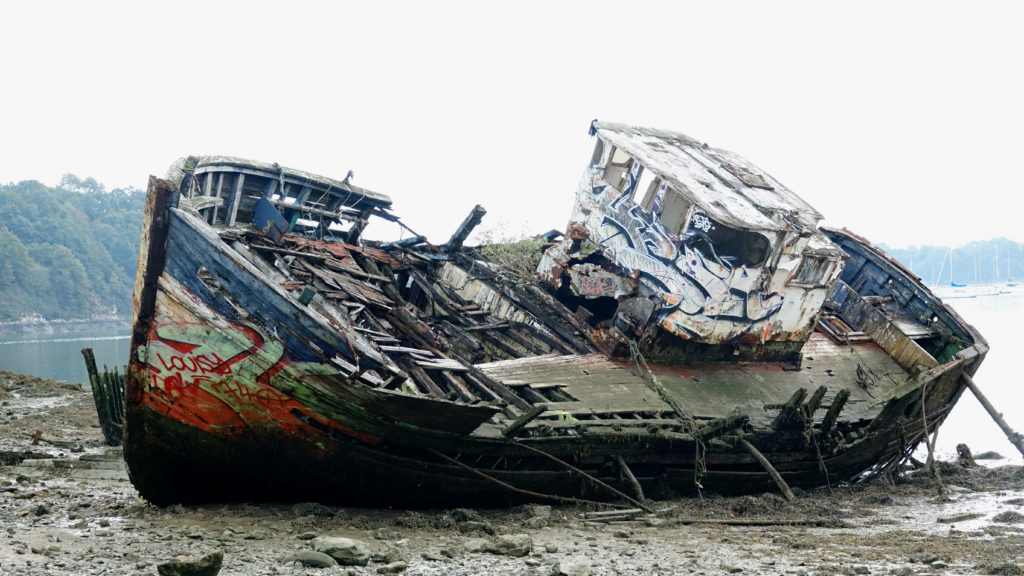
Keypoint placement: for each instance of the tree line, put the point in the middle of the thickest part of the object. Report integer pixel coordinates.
(68, 252)
(995, 261)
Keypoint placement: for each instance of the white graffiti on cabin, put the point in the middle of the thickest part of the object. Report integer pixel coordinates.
(700, 294)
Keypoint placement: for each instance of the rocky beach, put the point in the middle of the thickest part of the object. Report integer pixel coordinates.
(68, 507)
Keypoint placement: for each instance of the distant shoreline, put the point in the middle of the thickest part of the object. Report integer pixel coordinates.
(50, 327)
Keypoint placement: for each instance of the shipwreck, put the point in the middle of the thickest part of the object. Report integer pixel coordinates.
(692, 329)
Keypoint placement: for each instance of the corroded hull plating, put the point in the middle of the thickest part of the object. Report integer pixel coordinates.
(238, 389)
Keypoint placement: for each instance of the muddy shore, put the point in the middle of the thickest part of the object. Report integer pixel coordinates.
(67, 507)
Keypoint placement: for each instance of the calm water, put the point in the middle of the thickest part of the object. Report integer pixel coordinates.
(59, 356)
(999, 378)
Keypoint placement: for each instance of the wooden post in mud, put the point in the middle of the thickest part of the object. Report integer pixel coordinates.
(637, 489)
(1015, 438)
(783, 487)
(108, 395)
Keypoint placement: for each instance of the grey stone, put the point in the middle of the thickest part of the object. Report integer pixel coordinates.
(474, 545)
(538, 510)
(313, 559)
(208, 565)
(565, 568)
(393, 568)
(516, 545)
(347, 551)
(392, 554)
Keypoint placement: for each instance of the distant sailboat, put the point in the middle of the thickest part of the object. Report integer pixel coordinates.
(956, 290)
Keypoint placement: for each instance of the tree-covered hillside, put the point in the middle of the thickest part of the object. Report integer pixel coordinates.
(67, 252)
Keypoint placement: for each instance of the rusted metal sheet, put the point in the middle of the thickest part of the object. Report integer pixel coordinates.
(590, 281)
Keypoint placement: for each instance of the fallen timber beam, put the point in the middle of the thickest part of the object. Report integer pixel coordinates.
(776, 477)
(630, 477)
(523, 420)
(477, 378)
(720, 426)
(1015, 438)
(463, 231)
(613, 515)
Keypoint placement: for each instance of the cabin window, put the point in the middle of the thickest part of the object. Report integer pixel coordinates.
(617, 171)
(812, 271)
(672, 209)
(655, 196)
(645, 184)
(729, 247)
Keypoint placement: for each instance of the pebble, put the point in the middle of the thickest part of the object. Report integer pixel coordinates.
(347, 551)
(313, 559)
(393, 568)
(571, 569)
(516, 545)
(208, 565)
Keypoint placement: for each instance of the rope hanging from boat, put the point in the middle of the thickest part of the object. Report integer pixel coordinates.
(644, 371)
(512, 488)
(932, 464)
(589, 477)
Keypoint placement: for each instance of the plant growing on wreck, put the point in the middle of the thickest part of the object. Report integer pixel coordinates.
(518, 257)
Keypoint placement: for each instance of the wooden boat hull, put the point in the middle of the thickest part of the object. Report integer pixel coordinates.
(232, 395)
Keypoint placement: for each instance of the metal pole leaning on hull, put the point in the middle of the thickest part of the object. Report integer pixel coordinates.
(1015, 438)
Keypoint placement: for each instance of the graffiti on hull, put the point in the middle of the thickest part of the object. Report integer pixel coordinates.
(234, 376)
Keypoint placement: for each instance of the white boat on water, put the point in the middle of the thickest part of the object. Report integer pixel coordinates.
(968, 291)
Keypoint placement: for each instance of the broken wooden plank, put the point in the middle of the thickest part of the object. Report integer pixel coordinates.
(465, 229)
(523, 420)
(407, 350)
(829, 421)
(448, 364)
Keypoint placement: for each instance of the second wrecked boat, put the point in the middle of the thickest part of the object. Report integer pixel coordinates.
(693, 329)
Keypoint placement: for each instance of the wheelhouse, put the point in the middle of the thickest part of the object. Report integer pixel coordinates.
(706, 247)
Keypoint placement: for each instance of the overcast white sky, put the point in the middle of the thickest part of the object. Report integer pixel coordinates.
(900, 120)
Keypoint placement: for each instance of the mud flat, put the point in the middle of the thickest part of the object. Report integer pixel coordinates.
(67, 507)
